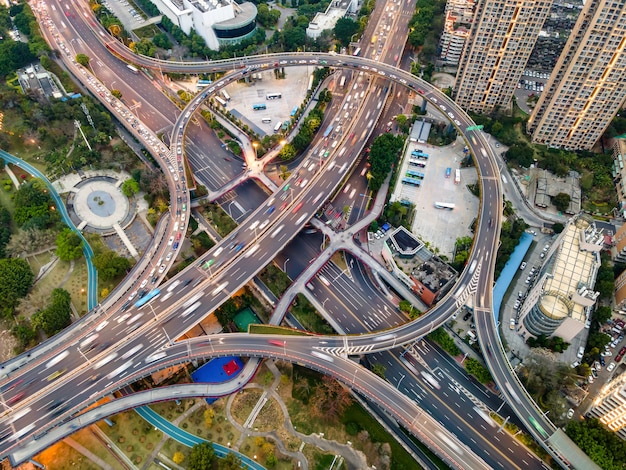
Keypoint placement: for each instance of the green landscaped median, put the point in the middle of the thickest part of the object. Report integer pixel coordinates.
(275, 330)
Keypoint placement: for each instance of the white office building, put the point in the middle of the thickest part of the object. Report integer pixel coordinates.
(219, 22)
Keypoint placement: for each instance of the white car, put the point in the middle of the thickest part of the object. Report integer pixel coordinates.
(570, 413)
(523, 265)
(161, 269)
(611, 367)
(143, 283)
(169, 256)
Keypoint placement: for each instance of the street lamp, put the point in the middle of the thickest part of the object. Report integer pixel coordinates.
(229, 211)
(255, 145)
(285, 265)
(403, 376)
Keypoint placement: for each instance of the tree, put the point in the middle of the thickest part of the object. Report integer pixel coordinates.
(230, 462)
(379, 369)
(344, 29)
(57, 316)
(558, 227)
(209, 414)
(5, 230)
(383, 154)
(288, 152)
(477, 370)
(561, 201)
(331, 399)
(110, 265)
(17, 279)
(521, 153)
(82, 59)
(202, 457)
(602, 314)
(601, 445)
(32, 206)
(178, 458)
(130, 187)
(117, 94)
(69, 245)
(162, 40)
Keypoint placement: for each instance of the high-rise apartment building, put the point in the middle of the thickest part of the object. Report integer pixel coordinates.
(456, 28)
(501, 39)
(610, 405)
(588, 84)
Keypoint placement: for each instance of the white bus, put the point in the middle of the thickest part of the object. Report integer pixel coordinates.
(342, 82)
(273, 96)
(132, 68)
(445, 205)
(277, 126)
(225, 95)
(220, 101)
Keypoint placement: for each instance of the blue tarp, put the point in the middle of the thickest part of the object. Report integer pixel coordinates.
(508, 273)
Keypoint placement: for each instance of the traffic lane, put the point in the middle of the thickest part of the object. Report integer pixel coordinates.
(300, 252)
(452, 408)
(149, 109)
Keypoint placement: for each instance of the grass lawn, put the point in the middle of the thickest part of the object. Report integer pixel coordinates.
(88, 439)
(132, 435)
(275, 330)
(170, 410)
(220, 430)
(62, 455)
(243, 404)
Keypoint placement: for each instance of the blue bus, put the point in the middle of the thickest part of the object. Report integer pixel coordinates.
(417, 163)
(294, 111)
(412, 182)
(147, 298)
(415, 174)
(419, 154)
(328, 130)
(259, 107)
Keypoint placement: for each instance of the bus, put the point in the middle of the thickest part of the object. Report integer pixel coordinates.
(328, 130)
(444, 205)
(258, 107)
(419, 154)
(415, 174)
(457, 176)
(277, 127)
(132, 68)
(357, 51)
(225, 94)
(374, 39)
(342, 82)
(448, 172)
(417, 163)
(148, 297)
(203, 83)
(311, 78)
(294, 111)
(412, 182)
(273, 96)
(220, 101)
(538, 427)
(266, 120)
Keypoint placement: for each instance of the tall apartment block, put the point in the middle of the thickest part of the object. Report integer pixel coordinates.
(610, 406)
(501, 39)
(456, 28)
(588, 84)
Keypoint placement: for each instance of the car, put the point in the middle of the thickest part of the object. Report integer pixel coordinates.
(154, 279)
(590, 379)
(581, 352)
(143, 283)
(575, 364)
(467, 316)
(161, 269)
(543, 254)
(523, 265)
(520, 294)
(512, 324)
(517, 304)
(606, 353)
(169, 256)
(611, 367)
(132, 296)
(570, 413)
(602, 361)
(614, 343)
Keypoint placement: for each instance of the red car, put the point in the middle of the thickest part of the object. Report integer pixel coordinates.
(420, 91)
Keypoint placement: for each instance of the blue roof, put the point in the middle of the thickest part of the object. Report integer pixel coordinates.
(508, 272)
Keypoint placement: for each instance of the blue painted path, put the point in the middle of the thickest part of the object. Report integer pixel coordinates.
(92, 274)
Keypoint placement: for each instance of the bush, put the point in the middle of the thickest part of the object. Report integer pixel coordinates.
(444, 340)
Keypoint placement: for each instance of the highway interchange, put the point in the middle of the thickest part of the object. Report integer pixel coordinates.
(203, 287)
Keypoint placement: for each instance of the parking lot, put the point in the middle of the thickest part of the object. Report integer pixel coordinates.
(292, 88)
(440, 227)
(130, 18)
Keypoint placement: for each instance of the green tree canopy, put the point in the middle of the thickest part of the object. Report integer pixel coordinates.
(344, 29)
(383, 154)
(110, 265)
(522, 153)
(130, 187)
(33, 206)
(69, 245)
(230, 462)
(5, 230)
(17, 279)
(82, 59)
(56, 316)
(561, 201)
(478, 370)
(288, 152)
(13, 55)
(162, 40)
(202, 457)
(601, 445)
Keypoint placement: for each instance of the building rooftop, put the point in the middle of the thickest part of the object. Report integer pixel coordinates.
(404, 242)
(434, 274)
(244, 14)
(573, 267)
(327, 19)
